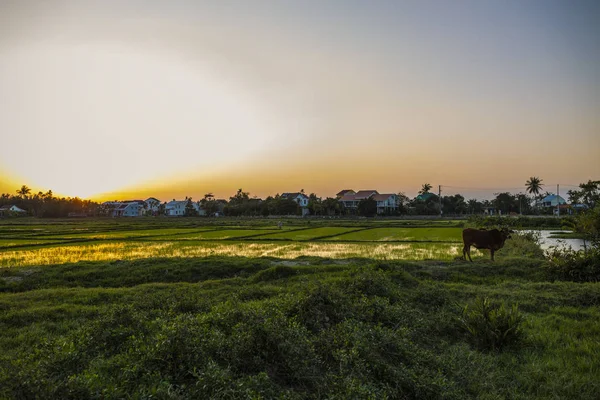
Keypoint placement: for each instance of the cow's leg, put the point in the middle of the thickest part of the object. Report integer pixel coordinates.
(492, 253)
(467, 249)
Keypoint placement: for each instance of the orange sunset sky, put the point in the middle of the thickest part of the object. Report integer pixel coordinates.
(131, 99)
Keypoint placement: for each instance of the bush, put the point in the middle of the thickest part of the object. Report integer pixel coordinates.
(492, 326)
(578, 266)
(524, 244)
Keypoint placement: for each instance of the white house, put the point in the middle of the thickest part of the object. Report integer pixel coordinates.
(133, 208)
(386, 202)
(11, 210)
(128, 208)
(176, 208)
(299, 198)
(350, 198)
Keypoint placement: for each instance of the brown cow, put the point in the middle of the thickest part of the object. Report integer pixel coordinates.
(484, 239)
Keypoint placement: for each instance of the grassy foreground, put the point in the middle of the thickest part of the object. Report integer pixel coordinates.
(152, 313)
(222, 327)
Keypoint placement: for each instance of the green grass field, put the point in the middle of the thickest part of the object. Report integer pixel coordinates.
(404, 235)
(222, 309)
(308, 234)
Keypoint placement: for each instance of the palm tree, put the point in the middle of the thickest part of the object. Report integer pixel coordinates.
(534, 186)
(24, 191)
(425, 188)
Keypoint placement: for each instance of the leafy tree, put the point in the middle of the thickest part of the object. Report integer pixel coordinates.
(367, 207)
(332, 206)
(209, 204)
(239, 198)
(454, 204)
(429, 206)
(524, 203)
(315, 204)
(190, 210)
(589, 194)
(506, 202)
(474, 206)
(402, 201)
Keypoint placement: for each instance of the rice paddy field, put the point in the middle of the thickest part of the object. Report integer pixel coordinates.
(46, 244)
(237, 308)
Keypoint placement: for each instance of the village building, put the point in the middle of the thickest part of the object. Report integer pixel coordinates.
(176, 208)
(385, 202)
(299, 198)
(11, 210)
(552, 200)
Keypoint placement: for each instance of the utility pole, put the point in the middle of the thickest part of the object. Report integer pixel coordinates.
(558, 200)
(440, 198)
(520, 208)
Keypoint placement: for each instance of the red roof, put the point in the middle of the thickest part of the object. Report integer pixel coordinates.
(363, 194)
(344, 192)
(382, 197)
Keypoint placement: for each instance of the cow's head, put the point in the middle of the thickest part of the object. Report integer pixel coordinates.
(506, 233)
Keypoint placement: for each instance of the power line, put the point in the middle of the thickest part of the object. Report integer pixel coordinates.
(481, 188)
(503, 188)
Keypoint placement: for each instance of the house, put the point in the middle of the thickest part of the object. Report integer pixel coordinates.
(386, 203)
(152, 205)
(176, 208)
(11, 210)
(552, 200)
(127, 208)
(299, 198)
(345, 192)
(351, 198)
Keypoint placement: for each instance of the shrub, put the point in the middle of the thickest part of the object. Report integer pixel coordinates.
(492, 326)
(274, 273)
(524, 244)
(578, 266)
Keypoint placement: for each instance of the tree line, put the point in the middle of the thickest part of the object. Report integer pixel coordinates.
(48, 205)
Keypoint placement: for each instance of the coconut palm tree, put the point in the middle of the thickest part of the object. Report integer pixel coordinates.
(425, 188)
(534, 186)
(24, 191)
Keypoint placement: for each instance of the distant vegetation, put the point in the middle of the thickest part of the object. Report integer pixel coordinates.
(47, 205)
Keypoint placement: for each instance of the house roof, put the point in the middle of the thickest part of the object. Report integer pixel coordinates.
(151, 198)
(383, 197)
(9, 206)
(363, 194)
(348, 197)
(293, 195)
(345, 192)
(552, 197)
(176, 202)
(425, 196)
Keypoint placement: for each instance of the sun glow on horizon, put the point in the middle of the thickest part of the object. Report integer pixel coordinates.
(127, 118)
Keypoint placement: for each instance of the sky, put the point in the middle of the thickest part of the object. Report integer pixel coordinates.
(131, 99)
